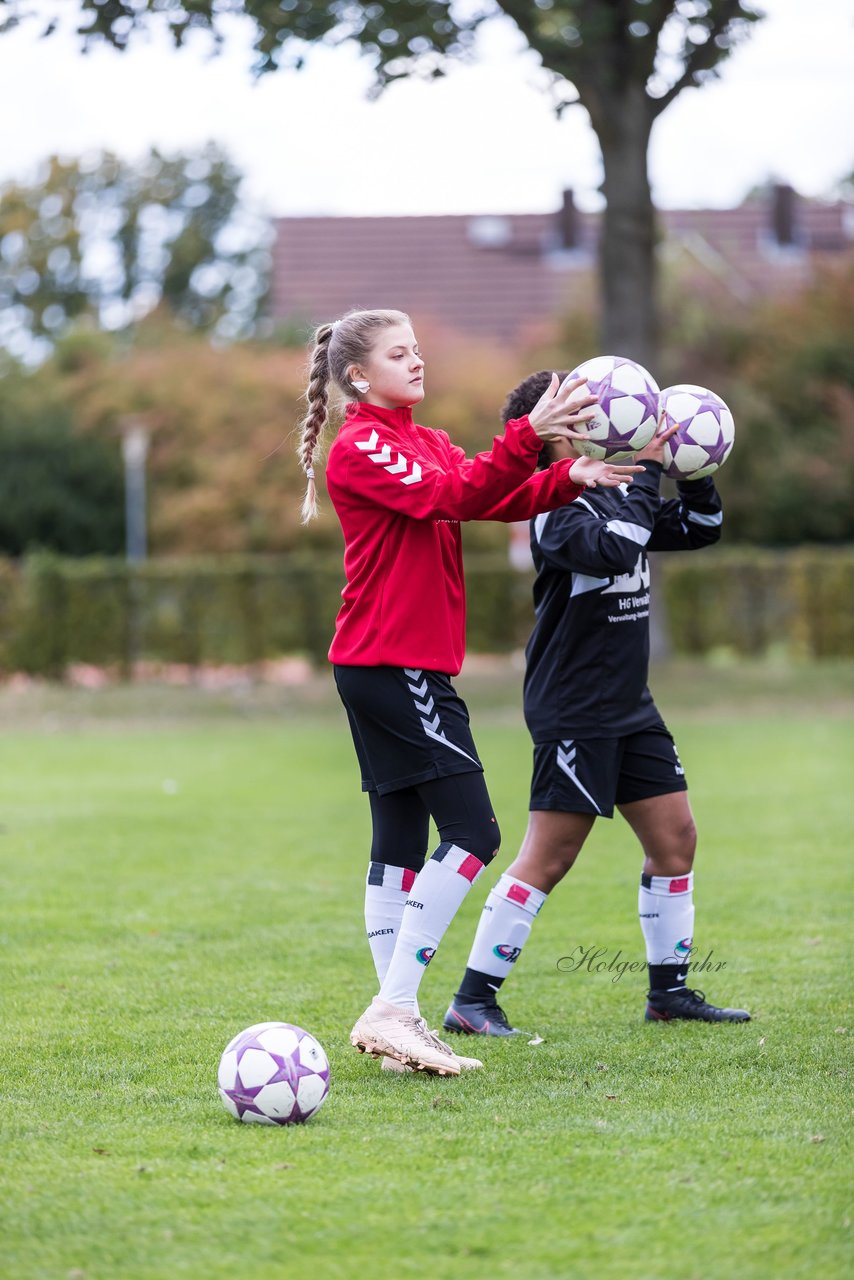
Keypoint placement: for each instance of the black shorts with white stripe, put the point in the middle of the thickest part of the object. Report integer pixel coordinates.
(408, 726)
(592, 775)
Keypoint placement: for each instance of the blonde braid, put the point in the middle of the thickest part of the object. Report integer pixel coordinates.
(316, 416)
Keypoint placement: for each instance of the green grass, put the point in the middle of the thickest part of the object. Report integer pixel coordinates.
(177, 865)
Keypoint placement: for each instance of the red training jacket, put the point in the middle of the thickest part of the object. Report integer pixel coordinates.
(400, 492)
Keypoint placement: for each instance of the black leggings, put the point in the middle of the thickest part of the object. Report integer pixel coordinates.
(460, 807)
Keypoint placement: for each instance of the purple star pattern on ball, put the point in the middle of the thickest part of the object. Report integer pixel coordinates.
(273, 1073)
(705, 431)
(627, 412)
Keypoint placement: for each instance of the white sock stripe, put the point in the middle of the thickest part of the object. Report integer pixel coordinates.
(660, 885)
(393, 878)
(454, 857)
(521, 894)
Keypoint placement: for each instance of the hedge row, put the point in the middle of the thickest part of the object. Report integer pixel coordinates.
(56, 612)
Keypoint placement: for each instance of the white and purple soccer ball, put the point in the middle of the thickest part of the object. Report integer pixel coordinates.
(627, 413)
(273, 1073)
(705, 435)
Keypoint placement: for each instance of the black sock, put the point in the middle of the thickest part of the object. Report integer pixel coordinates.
(478, 986)
(665, 977)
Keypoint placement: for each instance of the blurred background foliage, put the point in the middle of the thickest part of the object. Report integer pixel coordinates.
(136, 294)
(100, 239)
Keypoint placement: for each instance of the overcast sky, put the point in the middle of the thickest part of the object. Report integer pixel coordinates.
(483, 139)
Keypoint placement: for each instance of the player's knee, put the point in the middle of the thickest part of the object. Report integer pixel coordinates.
(486, 841)
(686, 841)
(483, 839)
(675, 857)
(397, 851)
(560, 858)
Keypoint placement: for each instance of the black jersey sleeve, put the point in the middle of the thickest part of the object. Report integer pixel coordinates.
(692, 520)
(598, 534)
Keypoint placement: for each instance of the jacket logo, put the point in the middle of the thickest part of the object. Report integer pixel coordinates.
(637, 580)
(382, 456)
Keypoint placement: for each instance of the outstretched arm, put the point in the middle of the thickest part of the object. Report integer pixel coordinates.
(393, 470)
(562, 482)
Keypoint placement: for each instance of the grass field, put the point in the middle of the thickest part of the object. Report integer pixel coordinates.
(177, 865)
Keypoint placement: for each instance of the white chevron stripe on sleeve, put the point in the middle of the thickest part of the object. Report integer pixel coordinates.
(540, 524)
(699, 517)
(382, 456)
(582, 502)
(400, 467)
(633, 532)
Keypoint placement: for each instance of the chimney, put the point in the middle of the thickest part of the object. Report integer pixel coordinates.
(784, 215)
(567, 219)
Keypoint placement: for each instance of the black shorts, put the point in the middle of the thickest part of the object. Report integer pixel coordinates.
(591, 775)
(408, 726)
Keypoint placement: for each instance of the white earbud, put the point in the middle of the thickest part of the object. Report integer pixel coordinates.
(361, 385)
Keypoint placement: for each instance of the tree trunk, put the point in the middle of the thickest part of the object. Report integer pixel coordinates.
(627, 249)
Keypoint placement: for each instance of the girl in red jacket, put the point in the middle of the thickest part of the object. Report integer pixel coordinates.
(400, 491)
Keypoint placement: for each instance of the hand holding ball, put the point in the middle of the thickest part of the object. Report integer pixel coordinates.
(627, 412)
(705, 431)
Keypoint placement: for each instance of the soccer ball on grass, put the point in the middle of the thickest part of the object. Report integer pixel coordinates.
(273, 1073)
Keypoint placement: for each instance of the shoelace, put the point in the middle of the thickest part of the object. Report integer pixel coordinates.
(419, 1026)
(434, 1036)
(699, 997)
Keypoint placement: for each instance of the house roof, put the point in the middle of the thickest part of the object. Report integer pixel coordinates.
(497, 275)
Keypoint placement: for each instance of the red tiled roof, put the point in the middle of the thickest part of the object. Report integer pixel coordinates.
(440, 269)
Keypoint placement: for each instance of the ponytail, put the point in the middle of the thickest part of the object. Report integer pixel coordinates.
(316, 417)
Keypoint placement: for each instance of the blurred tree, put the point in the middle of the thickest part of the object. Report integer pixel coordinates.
(793, 367)
(785, 366)
(624, 61)
(58, 491)
(104, 238)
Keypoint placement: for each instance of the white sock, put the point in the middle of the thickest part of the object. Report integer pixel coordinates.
(386, 890)
(666, 908)
(504, 926)
(434, 900)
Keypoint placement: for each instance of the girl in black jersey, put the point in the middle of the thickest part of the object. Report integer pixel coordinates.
(599, 740)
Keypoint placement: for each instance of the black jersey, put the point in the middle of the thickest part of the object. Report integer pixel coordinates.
(588, 655)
